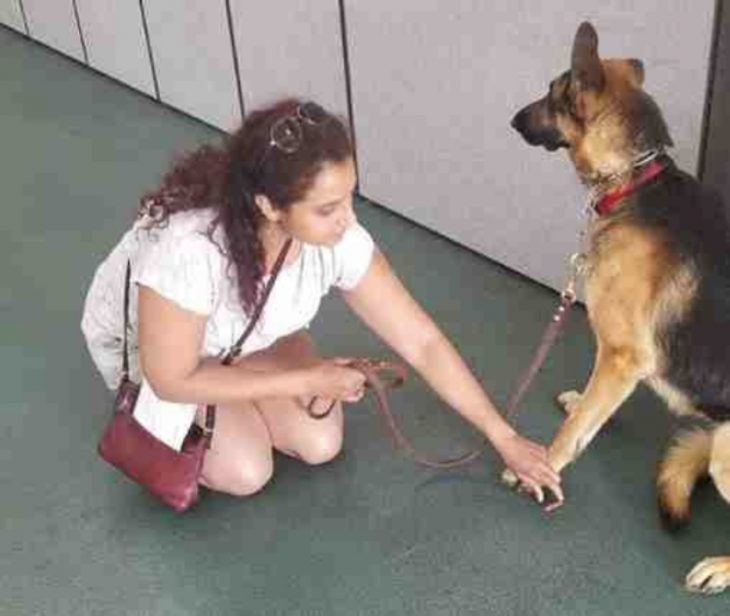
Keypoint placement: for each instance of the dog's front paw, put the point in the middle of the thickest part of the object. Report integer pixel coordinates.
(509, 478)
(569, 401)
(709, 576)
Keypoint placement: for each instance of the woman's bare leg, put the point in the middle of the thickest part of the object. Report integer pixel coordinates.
(240, 461)
(314, 441)
(293, 432)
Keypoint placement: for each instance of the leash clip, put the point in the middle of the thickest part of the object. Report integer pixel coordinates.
(577, 267)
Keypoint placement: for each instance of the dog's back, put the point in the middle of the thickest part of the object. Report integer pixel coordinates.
(695, 224)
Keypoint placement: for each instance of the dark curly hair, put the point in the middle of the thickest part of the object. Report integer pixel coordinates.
(227, 177)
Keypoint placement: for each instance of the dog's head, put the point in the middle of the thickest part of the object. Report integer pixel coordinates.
(597, 110)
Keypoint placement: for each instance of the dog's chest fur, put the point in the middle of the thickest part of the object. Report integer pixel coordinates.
(659, 282)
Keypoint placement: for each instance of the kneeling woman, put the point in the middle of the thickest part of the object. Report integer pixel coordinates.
(202, 249)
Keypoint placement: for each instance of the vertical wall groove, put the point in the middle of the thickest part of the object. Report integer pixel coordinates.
(709, 90)
(348, 85)
(81, 31)
(236, 67)
(25, 18)
(150, 55)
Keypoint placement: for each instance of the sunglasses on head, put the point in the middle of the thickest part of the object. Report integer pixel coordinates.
(287, 133)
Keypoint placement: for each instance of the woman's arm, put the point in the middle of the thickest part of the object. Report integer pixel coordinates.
(382, 302)
(170, 339)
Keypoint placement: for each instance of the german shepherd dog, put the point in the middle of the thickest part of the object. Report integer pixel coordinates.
(657, 278)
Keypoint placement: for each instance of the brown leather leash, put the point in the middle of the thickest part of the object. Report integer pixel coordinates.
(382, 375)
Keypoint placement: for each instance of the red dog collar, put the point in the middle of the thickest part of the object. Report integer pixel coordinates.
(608, 202)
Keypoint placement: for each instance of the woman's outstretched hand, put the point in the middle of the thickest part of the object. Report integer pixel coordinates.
(529, 463)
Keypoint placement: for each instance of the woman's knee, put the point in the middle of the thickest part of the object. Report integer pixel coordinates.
(240, 477)
(320, 446)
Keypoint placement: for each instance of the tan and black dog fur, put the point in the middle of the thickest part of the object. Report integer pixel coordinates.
(657, 281)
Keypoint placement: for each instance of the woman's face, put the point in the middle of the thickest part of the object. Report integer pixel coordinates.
(325, 212)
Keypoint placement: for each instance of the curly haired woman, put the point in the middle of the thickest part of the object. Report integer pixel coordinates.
(203, 245)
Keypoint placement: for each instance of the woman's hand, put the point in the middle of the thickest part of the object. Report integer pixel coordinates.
(529, 462)
(333, 379)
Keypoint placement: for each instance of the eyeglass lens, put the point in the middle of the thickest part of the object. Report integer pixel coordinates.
(286, 134)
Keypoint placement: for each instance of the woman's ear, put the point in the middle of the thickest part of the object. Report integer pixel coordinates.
(267, 209)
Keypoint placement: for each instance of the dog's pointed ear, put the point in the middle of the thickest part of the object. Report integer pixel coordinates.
(586, 70)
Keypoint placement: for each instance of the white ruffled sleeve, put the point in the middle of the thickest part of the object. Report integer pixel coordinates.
(181, 268)
(353, 255)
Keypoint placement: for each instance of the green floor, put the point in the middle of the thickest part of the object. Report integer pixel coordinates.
(369, 534)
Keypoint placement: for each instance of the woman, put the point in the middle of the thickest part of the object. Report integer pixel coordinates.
(201, 250)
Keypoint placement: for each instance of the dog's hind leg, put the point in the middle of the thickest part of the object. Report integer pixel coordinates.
(686, 461)
(720, 460)
(712, 575)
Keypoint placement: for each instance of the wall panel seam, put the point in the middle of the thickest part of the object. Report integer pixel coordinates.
(234, 51)
(80, 30)
(348, 87)
(25, 19)
(150, 55)
(709, 90)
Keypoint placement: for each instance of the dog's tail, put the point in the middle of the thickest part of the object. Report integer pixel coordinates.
(686, 461)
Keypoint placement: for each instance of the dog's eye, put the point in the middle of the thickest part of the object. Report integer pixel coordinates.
(568, 104)
(551, 106)
(558, 102)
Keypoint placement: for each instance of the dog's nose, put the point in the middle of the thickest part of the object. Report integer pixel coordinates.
(518, 121)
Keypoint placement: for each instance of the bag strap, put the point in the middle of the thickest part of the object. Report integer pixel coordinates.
(235, 350)
(232, 353)
(125, 348)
